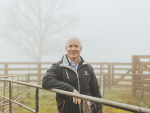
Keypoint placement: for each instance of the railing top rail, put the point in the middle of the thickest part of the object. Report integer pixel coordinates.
(118, 63)
(122, 74)
(27, 62)
(11, 76)
(85, 97)
(106, 63)
(142, 56)
(3, 76)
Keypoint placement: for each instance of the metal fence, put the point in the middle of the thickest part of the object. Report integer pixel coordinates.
(124, 88)
(84, 97)
(20, 91)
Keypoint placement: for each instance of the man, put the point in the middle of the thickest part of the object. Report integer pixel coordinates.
(72, 74)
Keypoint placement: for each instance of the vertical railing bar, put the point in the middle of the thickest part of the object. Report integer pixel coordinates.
(39, 72)
(22, 85)
(37, 101)
(12, 86)
(26, 82)
(28, 77)
(10, 106)
(102, 87)
(4, 96)
(111, 73)
(18, 87)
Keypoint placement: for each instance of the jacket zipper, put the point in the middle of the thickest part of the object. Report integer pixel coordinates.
(67, 73)
(78, 78)
(77, 73)
(79, 87)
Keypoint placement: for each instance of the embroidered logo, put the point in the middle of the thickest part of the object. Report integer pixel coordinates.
(86, 73)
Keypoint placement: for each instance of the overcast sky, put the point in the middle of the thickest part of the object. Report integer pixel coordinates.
(110, 30)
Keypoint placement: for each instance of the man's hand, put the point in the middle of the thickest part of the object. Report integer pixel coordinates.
(76, 100)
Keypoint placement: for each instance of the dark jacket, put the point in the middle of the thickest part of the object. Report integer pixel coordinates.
(63, 76)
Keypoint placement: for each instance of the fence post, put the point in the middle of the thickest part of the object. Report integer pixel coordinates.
(10, 106)
(6, 72)
(12, 86)
(134, 65)
(28, 78)
(28, 75)
(4, 96)
(22, 85)
(37, 100)
(100, 68)
(109, 77)
(18, 87)
(102, 86)
(140, 71)
(6, 69)
(39, 72)
(112, 66)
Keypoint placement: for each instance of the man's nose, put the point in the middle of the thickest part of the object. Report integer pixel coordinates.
(73, 48)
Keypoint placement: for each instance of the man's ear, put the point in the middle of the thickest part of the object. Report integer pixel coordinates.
(66, 48)
(81, 48)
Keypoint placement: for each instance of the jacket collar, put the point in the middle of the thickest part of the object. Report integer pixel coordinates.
(67, 63)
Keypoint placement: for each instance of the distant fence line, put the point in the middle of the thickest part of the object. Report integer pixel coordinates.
(134, 74)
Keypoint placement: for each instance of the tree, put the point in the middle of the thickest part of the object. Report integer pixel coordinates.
(33, 26)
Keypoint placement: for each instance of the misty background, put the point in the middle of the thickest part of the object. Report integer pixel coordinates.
(110, 30)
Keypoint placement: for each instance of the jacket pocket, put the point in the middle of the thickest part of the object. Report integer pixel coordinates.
(66, 108)
(61, 105)
(96, 108)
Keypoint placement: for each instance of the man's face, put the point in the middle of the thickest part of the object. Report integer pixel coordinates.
(73, 49)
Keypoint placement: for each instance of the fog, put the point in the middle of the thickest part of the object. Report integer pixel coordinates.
(110, 31)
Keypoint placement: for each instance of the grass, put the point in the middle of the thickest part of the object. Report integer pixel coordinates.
(47, 102)
(124, 96)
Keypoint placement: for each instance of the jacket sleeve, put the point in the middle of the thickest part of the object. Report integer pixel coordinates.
(94, 89)
(52, 79)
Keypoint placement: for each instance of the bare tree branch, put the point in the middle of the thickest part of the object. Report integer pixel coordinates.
(33, 25)
(26, 17)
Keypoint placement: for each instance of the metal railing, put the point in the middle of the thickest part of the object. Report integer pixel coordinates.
(19, 95)
(141, 96)
(81, 96)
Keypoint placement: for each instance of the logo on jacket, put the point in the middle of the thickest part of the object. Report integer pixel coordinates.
(86, 73)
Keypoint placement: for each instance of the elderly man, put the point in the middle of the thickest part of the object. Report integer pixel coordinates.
(75, 75)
